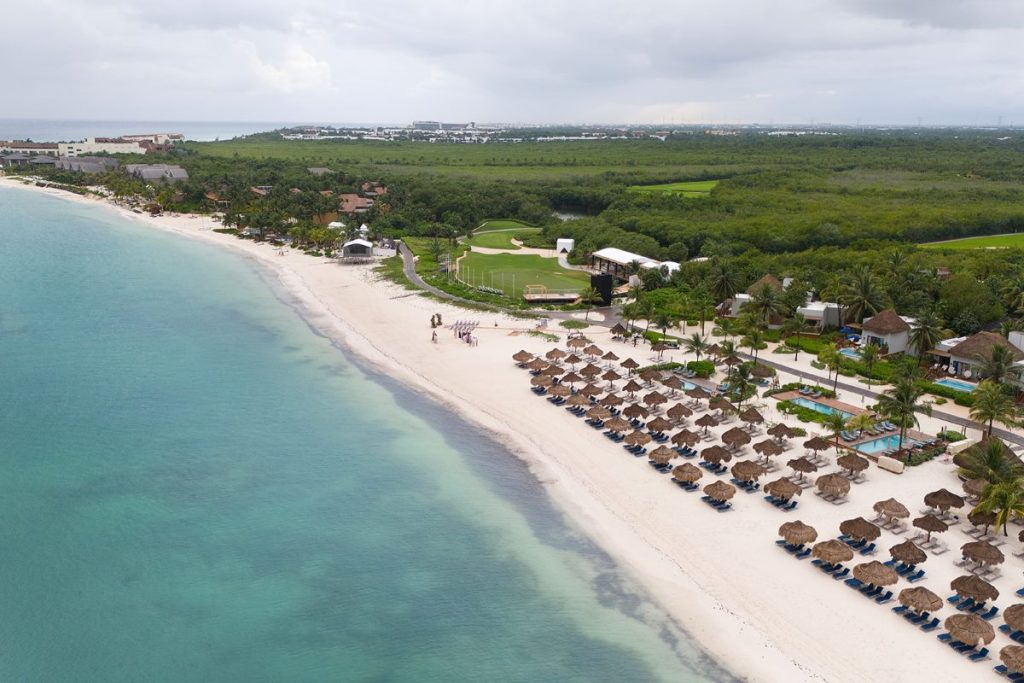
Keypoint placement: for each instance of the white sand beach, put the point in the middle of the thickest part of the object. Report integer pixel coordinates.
(756, 610)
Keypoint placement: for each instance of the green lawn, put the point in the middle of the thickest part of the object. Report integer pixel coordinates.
(986, 242)
(498, 234)
(694, 188)
(512, 272)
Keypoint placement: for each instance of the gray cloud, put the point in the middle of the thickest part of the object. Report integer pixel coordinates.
(686, 61)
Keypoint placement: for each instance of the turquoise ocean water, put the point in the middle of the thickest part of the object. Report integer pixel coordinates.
(197, 486)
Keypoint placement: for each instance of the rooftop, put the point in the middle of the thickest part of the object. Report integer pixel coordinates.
(886, 322)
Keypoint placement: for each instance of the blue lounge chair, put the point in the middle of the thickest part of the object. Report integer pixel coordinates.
(989, 614)
(841, 574)
(884, 598)
(979, 655)
(931, 625)
(917, 619)
(803, 554)
(854, 583)
(912, 578)
(962, 648)
(868, 549)
(944, 637)
(899, 609)
(1020, 592)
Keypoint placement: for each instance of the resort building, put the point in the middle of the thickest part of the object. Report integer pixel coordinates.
(30, 148)
(353, 203)
(970, 352)
(101, 146)
(619, 263)
(155, 138)
(357, 248)
(564, 245)
(156, 172)
(731, 307)
(820, 314)
(87, 164)
(888, 331)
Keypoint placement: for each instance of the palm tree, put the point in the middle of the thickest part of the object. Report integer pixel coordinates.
(835, 423)
(754, 340)
(926, 332)
(900, 403)
(663, 321)
(862, 296)
(725, 327)
(722, 281)
(645, 308)
(992, 403)
(1000, 366)
(589, 296)
(740, 383)
(990, 461)
(766, 302)
(703, 301)
(861, 422)
(869, 356)
(1013, 292)
(833, 360)
(1005, 499)
(695, 344)
(795, 325)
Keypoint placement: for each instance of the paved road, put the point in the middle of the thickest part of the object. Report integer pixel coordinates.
(1003, 434)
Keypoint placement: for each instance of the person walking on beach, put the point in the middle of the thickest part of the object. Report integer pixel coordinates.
(433, 336)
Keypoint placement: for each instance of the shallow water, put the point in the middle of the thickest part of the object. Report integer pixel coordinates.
(196, 485)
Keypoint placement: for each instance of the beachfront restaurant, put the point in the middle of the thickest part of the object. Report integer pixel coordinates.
(618, 262)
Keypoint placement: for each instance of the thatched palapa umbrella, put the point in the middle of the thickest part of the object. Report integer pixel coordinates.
(860, 529)
(748, 470)
(975, 487)
(715, 454)
(572, 378)
(559, 390)
(782, 488)
(852, 463)
(768, 448)
(832, 552)
(970, 629)
(678, 412)
(591, 390)
(908, 553)
(541, 381)
(599, 413)
(1014, 617)
(943, 500)
(982, 519)
(576, 343)
(698, 393)
(721, 403)
(919, 599)
(685, 436)
(649, 375)
(751, 416)
(833, 484)
(817, 443)
(736, 438)
(798, 533)
(719, 490)
(537, 364)
(555, 354)
(662, 454)
(593, 351)
(522, 356)
(673, 383)
(590, 371)
(891, 509)
(706, 421)
(577, 399)
(1013, 657)
(635, 410)
(632, 387)
(572, 359)
(660, 348)
(655, 399)
(618, 328)
(610, 356)
(802, 466)
(659, 424)
(617, 424)
(781, 431)
(687, 473)
(931, 524)
(733, 360)
(552, 371)
(970, 586)
(875, 573)
(637, 438)
(611, 377)
(611, 400)
(982, 552)
(630, 365)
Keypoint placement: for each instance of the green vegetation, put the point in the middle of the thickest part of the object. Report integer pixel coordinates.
(573, 324)
(1011, 241)
(498, 234)
(697, 188)
(510, 273)
(703, 368)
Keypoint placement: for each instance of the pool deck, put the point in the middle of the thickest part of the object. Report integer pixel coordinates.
(830, 402)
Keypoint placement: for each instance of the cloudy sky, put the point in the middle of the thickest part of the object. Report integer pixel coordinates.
(658, 61)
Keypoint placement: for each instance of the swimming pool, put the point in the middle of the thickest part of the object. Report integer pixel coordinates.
(819, 407)
(850, 353)
(882, 444)
(956, 384)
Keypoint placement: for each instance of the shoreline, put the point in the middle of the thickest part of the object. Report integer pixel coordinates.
(733, 616)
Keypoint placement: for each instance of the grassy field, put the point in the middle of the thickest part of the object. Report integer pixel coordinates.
(1015, 240)
(512, 272)
(498, 234)
(695, 188)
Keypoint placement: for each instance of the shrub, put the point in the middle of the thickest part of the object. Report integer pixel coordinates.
(949, 436)
(573, 324)
(801, 413)
(660, 366)
(795, 386)
(923, 456)
(961, 398)
(703, 368)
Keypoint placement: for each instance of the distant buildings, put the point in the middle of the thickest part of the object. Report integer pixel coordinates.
(353, 203)
(157, 172)
(888, 331)
(90, 165)
(101, 146)
(28, 148)
(619, 263)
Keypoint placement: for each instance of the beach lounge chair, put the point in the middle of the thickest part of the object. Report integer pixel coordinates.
(899, 609)
(868, 549)
(884, 598)
(854, 583)
(989, 614)
(917, 619)
(977, 607)
(931, 625)
(842, 574)
(945, 637)
(961, 648)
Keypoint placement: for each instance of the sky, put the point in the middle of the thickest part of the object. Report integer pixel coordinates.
(930, 62)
